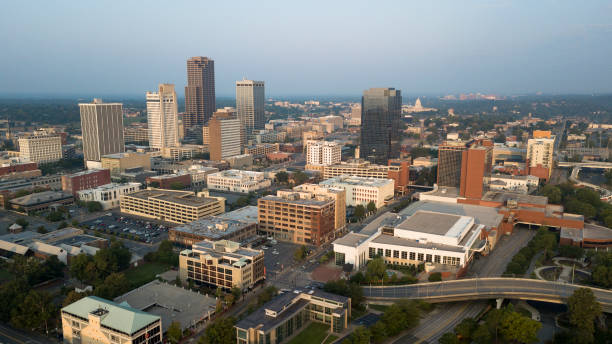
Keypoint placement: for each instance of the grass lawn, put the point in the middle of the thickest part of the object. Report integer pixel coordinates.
(145, 273)
(314, 333)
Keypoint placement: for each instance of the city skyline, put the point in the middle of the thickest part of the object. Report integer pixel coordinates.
(499, 47)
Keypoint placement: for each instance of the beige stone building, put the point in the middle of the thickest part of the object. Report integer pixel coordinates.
(359, 168)
(40, 148)
(222, 264)
(172, 205)
(119, 162)
(94, 320)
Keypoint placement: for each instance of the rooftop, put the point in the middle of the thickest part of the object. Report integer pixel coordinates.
(359, 181)
(295, 200)
(169, 302)
(119, 317)
(224, 248)
(435, 223)
(246, 214)
(41, 197)
(212, 227)
(393, 240)
(351, 239)
(85, 172)
(123, 155)
(487, 216)
(187, 198)
(503, 197)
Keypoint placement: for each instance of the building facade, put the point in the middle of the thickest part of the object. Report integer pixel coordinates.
(120, 162)
(260, 150)
(199, 92)
(380, 124)
(95, 320)
(108, 195)
(323, 153)
(171, 205)
(361, 191)
(540, 156)
(225, 135)
(222, 264)
(237, 181)
(250, 98)
(40, 148)
(102, 129)
(449, 163)
(73, 183)
(162, 117)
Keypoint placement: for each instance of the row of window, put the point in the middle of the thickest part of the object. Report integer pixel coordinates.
(422, 257)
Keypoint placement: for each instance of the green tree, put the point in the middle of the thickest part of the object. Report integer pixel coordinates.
(465, 329)
(299, 177)
(300, 253)
(93, 206)
(114, 285)
(583, 310)
(22, 222)
(236, 292)
(80, 270)
(220, 332)
(519, 328)
(174, 332)
(371, 207)
(359, 211)
(435, 277)
(449, 338)
(361, 335)
(35, 312)
(41, 229)
(12, 294)
(552, 192)
(378, 331)
(72, 297)
(55, 216)
(376, 268)
(281, 177)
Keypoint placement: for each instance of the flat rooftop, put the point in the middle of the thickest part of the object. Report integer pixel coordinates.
(503, 197)
(393, 240)
(386, 219)
(213, 227)
(187, 198)
(170, 302)
(435, 223)
(208, 248)
(311, 202)
(351, 239)
(41, 197)
(357, 181)
(487, 216)
(246, 214)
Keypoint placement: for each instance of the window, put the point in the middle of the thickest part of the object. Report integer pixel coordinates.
(421, 257)
(372, 252)
(437, 259)
(340, 258)
(404, 255)
(395, 254)
(380, 252)
(412, 256)
(428, 258)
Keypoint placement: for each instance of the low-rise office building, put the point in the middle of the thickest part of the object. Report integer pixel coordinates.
(361, 190)
(223, 264)
(289, 313)
(171, 205)
(84, 180)
(260, 150)
(288, 217)
(513, 183)
(41, 201)
(212, 228)
(396, 169)
(170, 181)
(120, 162)
(109, 195)
(95, 320)
(237, 181)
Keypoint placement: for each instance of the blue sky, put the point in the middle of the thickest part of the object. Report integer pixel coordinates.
(308, 47)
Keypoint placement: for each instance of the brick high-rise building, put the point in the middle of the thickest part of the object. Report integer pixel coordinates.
(224, 135)
(199, 92)
(475, 165)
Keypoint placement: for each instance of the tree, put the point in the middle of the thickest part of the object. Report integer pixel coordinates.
(376, 268)
(12, 294)
(79, 268)
(378, 331)
(55, 216)
(72, 297)
(435, 277)
(64, 224)
(299, 177)
(114, 285)
(236, 292)
(359, 211)
(220, 332)
(371, 207)
(41, 229)
(465, 329)
(583, 310)
(281, 177)
(35, 311)
(361, 335)
(519, 328)
(174, 333)
(571, 251)
(300, 253)
(449, 338)
(22, 222)
(93, 206)
(552, 192)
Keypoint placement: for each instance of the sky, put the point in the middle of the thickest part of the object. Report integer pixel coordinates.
(307, 47)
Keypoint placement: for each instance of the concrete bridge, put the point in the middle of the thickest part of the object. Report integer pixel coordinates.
(606, 195)
(589, 164)
(485, 288)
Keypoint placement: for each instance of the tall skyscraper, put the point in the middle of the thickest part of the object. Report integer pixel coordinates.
(250, 98)
(540, 150)
(162, 116)
(199, 92)
(475, 166)
(102, 130)
(381, 110)
(224, 135)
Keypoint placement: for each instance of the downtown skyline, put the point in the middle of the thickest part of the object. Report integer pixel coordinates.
(419, 48)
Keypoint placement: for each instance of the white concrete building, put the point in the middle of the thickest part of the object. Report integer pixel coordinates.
(513, 183)
(540, 152)
(162, 117)
(40, 148)
(361, 190)
(237, 181)
(102, 129)
(424, 237)
(109, 195)
(323, 153)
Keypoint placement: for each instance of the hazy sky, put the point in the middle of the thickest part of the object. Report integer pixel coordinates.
(307, 47)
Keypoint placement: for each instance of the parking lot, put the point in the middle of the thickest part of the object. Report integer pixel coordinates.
(278, 257)
(128, 227)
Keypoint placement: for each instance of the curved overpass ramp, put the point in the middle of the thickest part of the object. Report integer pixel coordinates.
(485, 288)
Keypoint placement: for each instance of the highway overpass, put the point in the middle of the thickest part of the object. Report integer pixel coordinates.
(485, 288)
(590, 164)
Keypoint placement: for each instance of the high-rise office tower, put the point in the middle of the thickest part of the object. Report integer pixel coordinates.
(381, 110)
(224, 135)
(449, 163)
(199, 92)
(102, 130)
(162, 116)
(250, 98)
(475, 166)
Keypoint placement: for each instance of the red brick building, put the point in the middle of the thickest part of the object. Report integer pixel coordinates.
(399, 171)
(84, 180)
(166, 181)
(30, 166)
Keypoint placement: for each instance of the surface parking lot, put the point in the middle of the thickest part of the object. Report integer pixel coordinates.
(278, 256)
(127, 227)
